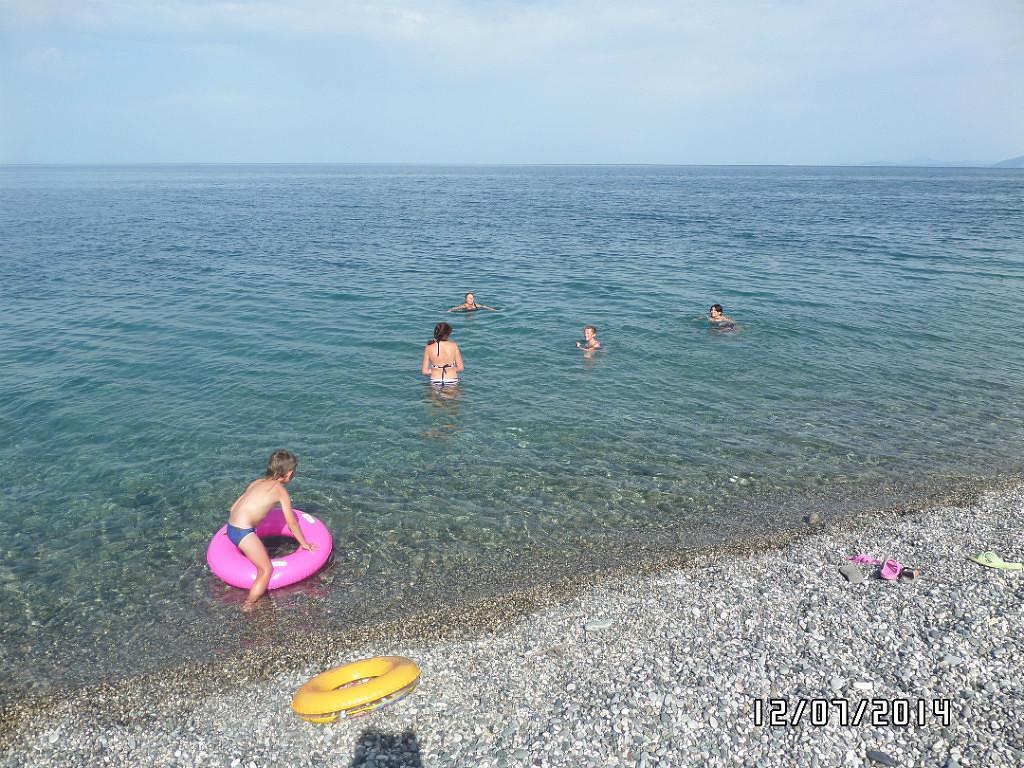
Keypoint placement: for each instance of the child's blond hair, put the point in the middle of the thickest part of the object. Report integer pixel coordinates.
(280, 464)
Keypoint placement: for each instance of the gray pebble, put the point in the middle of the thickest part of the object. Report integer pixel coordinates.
(880, 757)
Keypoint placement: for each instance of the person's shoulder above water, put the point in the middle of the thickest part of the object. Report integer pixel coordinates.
(719, 321)
(470, 305)
(590, 341)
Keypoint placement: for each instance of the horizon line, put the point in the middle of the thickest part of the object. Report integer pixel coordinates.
(465, 164)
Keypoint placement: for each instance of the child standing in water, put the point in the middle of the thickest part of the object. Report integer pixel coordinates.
(249, 510)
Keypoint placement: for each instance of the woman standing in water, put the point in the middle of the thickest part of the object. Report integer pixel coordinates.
(442, 360)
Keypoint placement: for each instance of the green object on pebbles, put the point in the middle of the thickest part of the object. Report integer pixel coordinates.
(992, 560)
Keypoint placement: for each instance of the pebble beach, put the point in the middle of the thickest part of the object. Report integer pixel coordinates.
(701, 663)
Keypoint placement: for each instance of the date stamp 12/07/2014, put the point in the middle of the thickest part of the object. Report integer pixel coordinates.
(875, 712)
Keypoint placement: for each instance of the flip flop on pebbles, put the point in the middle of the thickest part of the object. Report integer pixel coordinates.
(891, 570)
(992, 560)
(864, 559)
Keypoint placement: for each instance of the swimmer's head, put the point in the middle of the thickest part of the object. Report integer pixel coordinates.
(716, 310)
(589, 331)
(281, 465)
(442, 331)
(470, 299)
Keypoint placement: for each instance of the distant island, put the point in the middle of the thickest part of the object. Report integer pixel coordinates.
(1013, 162)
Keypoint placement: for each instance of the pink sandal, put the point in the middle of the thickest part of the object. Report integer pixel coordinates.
(864, 559)
(891, 570)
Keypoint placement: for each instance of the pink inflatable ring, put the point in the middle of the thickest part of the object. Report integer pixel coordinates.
(230, 565)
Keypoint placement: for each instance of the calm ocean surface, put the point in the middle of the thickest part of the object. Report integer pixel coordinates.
(166, 328)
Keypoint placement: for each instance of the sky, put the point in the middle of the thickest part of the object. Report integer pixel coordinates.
(817, 82)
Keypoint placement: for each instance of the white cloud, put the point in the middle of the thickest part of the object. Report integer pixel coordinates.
(818, 30)
(662, 70)
(659, 50)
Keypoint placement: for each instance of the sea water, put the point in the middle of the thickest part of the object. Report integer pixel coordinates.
(166, 328)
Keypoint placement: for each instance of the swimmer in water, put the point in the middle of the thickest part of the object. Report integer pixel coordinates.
(470, 305)
(590, 342)
(442, 360)
(719, 321)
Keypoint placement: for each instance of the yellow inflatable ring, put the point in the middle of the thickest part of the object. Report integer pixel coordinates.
(355, 689)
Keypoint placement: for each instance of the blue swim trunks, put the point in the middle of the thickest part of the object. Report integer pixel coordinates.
(236, 534)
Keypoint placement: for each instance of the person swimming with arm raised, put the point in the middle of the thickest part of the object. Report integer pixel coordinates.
(470, 305)
(252, 506)
(442, 359)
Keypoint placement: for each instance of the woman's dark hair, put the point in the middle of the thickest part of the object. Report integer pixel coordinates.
(442, 331)
(716, 308)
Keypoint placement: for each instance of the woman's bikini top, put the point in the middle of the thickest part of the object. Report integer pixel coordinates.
(444, 366)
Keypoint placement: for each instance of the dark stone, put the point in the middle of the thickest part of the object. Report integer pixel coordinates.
(880, 757)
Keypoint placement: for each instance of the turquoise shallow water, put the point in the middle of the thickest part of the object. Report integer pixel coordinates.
(167, 327)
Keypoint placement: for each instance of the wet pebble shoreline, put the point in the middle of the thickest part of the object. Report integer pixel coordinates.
(668, 669)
